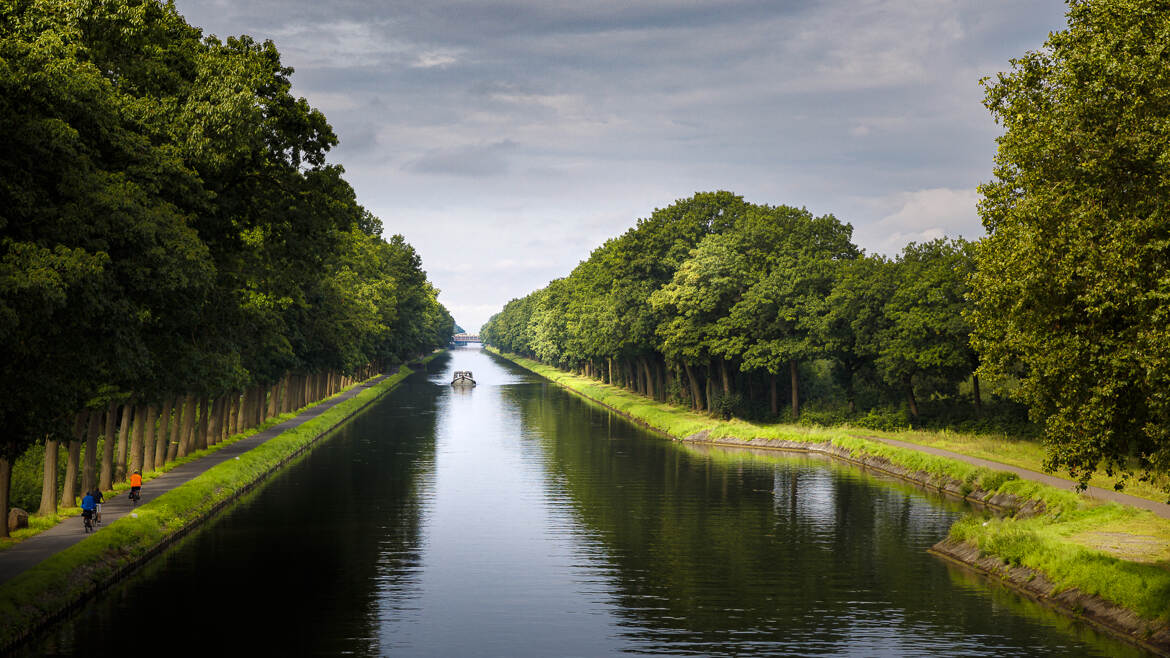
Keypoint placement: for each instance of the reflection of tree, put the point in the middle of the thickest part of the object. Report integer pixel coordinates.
(284, 569)
(710, 548)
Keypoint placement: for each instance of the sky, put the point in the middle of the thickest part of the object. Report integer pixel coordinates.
(506, 139)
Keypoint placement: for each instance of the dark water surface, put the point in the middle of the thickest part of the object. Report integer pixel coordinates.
(516, 520)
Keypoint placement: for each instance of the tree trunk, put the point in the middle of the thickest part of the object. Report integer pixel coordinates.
(663, 384)
(166, 431)
(177, 428)
(236, 415)
(106, 476)
(773, 395)
(609, 363)
(909, 383)
(225, 415)
(121, 455)
(726, 378)
(213, 422)
(696, 393)
(140, 422)
(850, 394)
(147, 456)
(201, 430)
(49, 484)
(188, 435)
(795, 388)
(69, 491)
(5, 487)
(978, 397)
(272, 397)
(89, 469)
(711, 388)
(649, 377)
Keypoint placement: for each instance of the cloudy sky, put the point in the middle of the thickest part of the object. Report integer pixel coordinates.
(505, 139)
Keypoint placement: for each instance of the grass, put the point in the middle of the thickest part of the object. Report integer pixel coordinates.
(680, 423)
(1022, 452)
(67, 576)
(38, 523)
(1117, 552)
(1131, 571)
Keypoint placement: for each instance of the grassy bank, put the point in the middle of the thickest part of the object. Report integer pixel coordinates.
(68, 577)
(38, 523)
(1116, 553)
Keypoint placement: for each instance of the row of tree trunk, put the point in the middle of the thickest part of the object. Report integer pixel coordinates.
(700, 386)
(144, 435)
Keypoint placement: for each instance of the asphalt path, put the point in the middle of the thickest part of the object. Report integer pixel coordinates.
(1097, 493)
(35, 549)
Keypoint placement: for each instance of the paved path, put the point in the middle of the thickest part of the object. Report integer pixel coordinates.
(1161, 509)
(70, 531)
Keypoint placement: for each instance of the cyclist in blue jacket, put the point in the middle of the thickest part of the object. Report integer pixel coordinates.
(88, 506)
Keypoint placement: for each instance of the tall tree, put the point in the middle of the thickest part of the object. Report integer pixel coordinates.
(1072, 283)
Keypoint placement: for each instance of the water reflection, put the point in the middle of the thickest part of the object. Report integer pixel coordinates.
(513, 519)
(713, 551)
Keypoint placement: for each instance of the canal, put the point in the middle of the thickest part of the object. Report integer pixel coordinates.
(514, 519)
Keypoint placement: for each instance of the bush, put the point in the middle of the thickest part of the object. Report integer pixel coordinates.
(726, 406)
(886, 419)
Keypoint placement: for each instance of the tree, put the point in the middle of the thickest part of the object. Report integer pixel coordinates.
(1073, 280)
(926, 342)
(854, 321)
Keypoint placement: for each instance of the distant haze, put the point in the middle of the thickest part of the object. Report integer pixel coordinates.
(506, 140)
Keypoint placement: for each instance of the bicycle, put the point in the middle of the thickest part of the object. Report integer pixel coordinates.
(135, 496)
(87, 521)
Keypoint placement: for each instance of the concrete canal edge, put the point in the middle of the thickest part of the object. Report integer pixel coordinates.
(47, 592)
(1118, 621)
(1072, 602)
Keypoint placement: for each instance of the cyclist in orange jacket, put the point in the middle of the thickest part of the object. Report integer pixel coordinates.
(136, 486)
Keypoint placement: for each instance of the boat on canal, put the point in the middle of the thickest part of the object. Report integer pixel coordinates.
(463, 378)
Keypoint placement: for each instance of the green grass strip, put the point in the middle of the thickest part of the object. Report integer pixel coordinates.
(69, 576)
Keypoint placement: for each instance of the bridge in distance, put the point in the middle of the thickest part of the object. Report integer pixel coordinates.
(463, 339)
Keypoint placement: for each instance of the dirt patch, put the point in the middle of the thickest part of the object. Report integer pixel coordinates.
(1146, 549)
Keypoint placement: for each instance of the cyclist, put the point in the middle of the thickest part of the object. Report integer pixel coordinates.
(136, 486)
(87, 510)
(98, 499)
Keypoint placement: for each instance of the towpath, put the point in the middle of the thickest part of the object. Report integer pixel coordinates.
(33, 550)
(1161, 509)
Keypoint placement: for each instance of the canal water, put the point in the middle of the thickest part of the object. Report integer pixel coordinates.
(514, 519)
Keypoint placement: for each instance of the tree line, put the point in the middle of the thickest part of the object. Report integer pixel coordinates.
(727, 306)
(1066, 301)
(178, 260)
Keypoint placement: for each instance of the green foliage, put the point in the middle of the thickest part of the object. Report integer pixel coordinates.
(169, 222)
(724, 304)
(1072, 282)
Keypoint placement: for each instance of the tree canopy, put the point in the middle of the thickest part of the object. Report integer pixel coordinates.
(711, 298)
(169, 221)
(1072, 286)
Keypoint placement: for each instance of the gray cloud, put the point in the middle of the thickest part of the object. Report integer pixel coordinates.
(529, 131)
(475, 160)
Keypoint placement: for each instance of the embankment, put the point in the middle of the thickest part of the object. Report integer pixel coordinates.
(1030, 545)
(65, 580)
